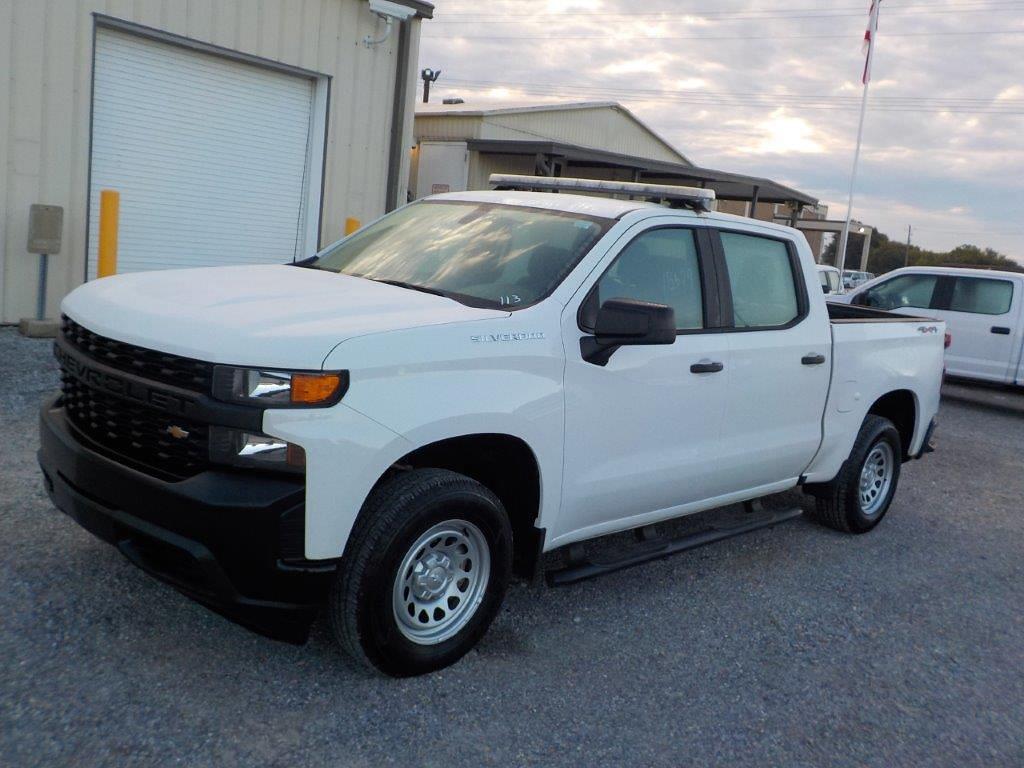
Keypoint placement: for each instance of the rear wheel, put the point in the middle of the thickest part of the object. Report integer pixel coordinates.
(424, 573)
(858, 498)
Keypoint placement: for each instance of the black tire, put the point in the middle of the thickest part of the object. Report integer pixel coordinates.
(838, 503)
(398, 512)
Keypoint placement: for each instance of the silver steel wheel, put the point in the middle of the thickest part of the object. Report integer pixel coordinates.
(441, 582)
(876, 478)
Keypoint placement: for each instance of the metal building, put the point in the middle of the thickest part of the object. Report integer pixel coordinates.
(234, 131)
(458, 147)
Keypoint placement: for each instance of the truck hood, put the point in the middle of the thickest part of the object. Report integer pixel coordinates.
(271, 315)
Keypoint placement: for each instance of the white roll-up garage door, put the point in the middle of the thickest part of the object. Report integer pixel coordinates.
(212, 157)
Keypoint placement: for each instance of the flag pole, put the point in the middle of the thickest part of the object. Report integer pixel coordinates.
(844, 238)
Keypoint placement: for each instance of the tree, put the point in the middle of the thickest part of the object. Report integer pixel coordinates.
(886, 255)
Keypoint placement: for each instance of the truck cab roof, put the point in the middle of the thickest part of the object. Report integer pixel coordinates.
(603, 207)
(971, 271)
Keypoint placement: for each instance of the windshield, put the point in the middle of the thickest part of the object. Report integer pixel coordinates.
(481, 254)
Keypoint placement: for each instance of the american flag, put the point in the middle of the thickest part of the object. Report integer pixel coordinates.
(869, 39)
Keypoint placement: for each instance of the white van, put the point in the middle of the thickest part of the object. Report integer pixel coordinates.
(982, 309)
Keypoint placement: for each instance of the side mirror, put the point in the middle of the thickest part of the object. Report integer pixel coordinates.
(628, 322)
(825, 289)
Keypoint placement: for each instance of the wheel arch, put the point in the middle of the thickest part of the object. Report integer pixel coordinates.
(901, 408)
(507, 466)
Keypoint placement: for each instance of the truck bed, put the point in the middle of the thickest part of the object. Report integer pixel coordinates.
(875, 353)
(849, 313)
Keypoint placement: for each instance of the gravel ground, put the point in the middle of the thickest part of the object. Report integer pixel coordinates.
(792, 646)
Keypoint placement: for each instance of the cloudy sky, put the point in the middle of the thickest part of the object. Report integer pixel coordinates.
(772, 88)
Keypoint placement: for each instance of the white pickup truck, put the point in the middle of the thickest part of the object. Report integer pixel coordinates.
(394, 427)
(984, 310)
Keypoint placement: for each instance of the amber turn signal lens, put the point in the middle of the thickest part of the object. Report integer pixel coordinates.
(314, 388)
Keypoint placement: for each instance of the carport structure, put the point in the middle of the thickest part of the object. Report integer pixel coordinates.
(552, 158)
(835, 227)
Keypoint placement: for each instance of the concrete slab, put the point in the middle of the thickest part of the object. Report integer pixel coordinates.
(38, 329)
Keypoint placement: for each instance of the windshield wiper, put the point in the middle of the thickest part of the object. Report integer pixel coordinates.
(410, 286)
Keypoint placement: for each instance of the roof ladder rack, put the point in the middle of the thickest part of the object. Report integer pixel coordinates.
(677, 197)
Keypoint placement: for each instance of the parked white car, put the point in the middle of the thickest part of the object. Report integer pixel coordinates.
(853, 278)
(983, 309)
(831, 281)
(390, 429)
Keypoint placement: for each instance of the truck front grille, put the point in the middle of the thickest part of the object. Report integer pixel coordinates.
(136, 434)
(182, 372)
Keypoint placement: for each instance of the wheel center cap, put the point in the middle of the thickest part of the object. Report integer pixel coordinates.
(434, 578)
(433, 575)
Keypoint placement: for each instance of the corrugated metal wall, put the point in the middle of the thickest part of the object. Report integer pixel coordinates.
(606, 128)
(602, 127)
(482, 166)
(45, 78)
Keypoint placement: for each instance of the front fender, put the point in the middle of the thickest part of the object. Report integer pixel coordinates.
(492, 377)
(346, 453)
(409, 389)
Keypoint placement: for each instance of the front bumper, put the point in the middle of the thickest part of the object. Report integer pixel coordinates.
(231, 540)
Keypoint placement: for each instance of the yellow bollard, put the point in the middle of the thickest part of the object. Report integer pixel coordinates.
(110, 204)
(351, 225)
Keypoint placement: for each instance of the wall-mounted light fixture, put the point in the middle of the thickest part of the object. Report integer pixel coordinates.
(388, 11)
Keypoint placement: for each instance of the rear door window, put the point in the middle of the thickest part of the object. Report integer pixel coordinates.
(982, 296)
(902, 291)
(762, 280)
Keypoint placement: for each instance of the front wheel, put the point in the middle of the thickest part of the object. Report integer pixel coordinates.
(424, 574)
(858, 498)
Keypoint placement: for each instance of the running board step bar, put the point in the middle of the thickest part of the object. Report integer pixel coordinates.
(648, 548)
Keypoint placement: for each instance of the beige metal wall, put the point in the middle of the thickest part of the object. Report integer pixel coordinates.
(45, 78)
(482, 166)
(765, 211)
(606, 128)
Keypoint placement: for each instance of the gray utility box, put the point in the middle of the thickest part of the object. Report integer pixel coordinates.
(45, 225)
(45, 228)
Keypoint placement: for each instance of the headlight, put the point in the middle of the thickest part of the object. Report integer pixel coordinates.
(279, 389)
(243, 449)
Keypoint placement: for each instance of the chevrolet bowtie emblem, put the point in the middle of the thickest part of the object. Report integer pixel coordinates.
(176, 432)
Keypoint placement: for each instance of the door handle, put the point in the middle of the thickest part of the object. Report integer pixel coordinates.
(1002, 330)
(706, 366)
(814, 358)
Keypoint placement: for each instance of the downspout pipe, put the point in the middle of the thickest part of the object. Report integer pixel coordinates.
(398, 111)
